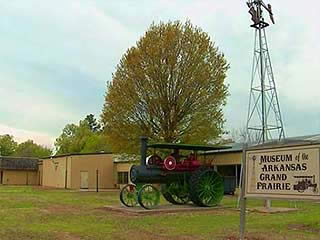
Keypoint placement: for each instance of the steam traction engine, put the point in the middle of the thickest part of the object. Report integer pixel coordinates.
(305, 183)
(181, 178)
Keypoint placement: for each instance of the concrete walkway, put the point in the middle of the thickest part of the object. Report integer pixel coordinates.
(168, 208)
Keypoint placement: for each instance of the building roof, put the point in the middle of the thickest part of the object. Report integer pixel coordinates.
(18, 163)
(126, 158)
(194, 147)
(74, 154)
(231, 147)
(290, 141)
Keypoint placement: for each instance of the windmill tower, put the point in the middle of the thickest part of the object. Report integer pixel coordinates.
(264, 120)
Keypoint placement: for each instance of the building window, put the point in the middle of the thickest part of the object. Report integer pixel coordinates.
(122, 177)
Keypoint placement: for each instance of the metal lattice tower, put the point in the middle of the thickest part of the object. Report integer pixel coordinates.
(264, 120)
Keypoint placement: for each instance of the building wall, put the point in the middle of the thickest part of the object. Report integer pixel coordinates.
(40, 174)
(225, 158)
(69, 167)
(91, 163)
(54, 172)
(20, 177)
(122, 167)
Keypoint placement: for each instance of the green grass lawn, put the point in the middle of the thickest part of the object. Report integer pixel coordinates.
(35, 213)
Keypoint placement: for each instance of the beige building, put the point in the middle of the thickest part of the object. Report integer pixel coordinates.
(122, 170)
(79, 171)
(227, 161)
(19, 171)
(122, 164)
(40, 171)
(105, 170)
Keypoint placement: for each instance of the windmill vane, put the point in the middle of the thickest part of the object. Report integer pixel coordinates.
(255, 10)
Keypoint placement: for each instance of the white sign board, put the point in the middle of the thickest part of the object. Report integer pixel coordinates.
(290, 173)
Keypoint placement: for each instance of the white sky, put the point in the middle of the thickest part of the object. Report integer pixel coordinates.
(56, 57)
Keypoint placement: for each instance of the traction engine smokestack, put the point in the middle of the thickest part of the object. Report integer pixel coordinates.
(144, 143)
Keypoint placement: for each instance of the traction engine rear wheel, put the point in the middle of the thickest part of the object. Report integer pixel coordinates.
(128, 195)
(175, 193)
(206, 187)
(148, 196)
(165, 193)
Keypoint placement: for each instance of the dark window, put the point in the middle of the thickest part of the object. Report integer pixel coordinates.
(122, 177)
(227, 170)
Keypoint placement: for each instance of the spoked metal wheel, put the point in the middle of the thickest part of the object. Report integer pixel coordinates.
(165, 193)
(206, 187)
(148, 196)
(128, 195)
(300, 189)
(175, 193)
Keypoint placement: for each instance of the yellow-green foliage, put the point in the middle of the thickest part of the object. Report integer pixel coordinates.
(169, 87)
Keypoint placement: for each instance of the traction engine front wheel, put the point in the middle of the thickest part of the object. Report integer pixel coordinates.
(148, 196)
(128, 195)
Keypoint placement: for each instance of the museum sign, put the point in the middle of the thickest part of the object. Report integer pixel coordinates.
(290, 173)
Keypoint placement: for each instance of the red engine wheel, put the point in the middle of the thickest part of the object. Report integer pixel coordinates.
(170, 163)
(153, 160)
(149, 160)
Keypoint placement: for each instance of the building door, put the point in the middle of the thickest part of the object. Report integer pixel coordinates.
(84, 179)
(1, 177)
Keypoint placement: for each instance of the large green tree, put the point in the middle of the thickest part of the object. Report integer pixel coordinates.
(85, 137)
(93, 123)
(169, 87)
(31, 149)
(65, 141)
(7, 145)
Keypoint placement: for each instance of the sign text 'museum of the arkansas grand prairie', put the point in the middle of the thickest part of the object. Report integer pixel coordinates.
(283, 173)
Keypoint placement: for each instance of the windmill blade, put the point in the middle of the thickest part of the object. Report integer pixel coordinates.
(270, 13)
(253, 13)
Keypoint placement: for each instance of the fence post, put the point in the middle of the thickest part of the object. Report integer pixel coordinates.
(97, 180)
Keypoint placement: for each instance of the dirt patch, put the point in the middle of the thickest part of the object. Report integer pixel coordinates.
(304, 227)
(146, 235)
(248, 237)
(35, 187)
(66, 236)
(163, 209)
(117, 213)
(19, 234)
(273, 210)
(56, 209)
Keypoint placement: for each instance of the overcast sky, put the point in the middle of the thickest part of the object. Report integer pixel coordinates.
(57, 56)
